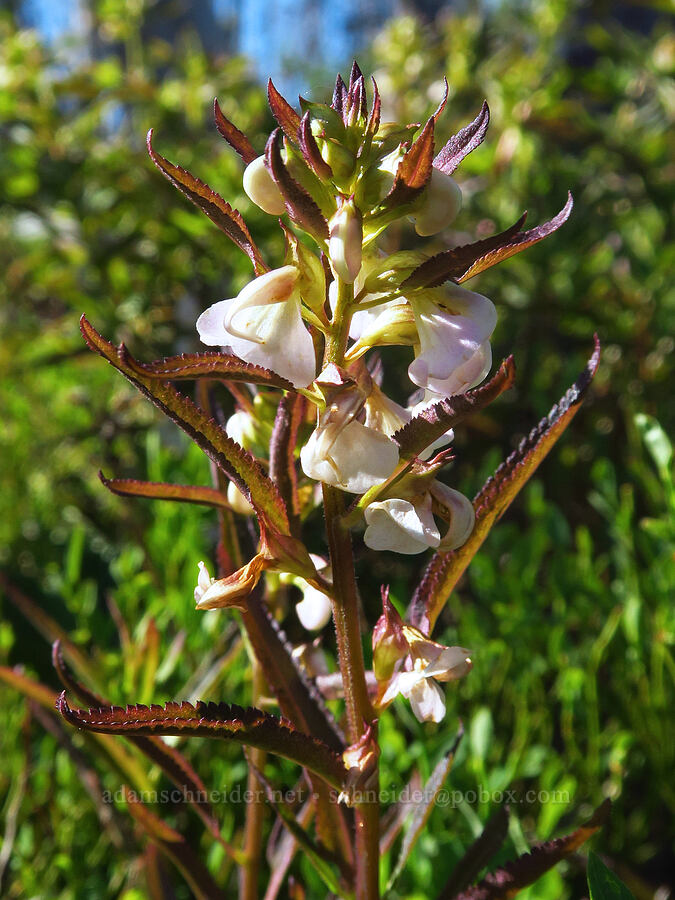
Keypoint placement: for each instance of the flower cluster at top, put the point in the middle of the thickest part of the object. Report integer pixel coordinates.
(343, 176)
(337, 177)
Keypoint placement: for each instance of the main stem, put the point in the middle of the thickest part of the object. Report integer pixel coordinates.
(348, 631)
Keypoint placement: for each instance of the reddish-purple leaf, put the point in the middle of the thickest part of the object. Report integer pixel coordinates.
(462, 143)
(435, 420)
(356, 100)
(493, 499)
(176, 848)
(339, 101)
(478, 854)
(221, 213)
(413, 173)
(251, 727)
(235, 138)
(462, 263)
(298, 698)
(290, 416)
(375, 112)
(300, 206)
(174, 765)
(354, 74)
(159, 490)
(283, 112)
(441, 107)
(513, 877)
(236, 462)
(210, 364)
(310, 149)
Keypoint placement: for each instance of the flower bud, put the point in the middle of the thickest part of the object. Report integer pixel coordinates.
(441, 204)
(262, 189)
(389, 642)
(345, 247)
(230, 591)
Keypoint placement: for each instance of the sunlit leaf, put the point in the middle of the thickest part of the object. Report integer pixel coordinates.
(433, 422)
(249, 726)
(283, 112)
(236, 462)
(235, 138)
(209, 364)
(603, 884)
(300, 206)
(495, 496)
(157, 490)
(462, 263)
(512, 878)
(218, 210)
(310, 149)
(462, 143)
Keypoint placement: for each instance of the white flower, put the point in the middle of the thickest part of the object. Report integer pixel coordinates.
(262, 189)
(351, 457)
(441, 204)
(345, 246)
(263, 325)
(237, 501)
(401, 526)
(204, 581)
(454, 332)
(240, 428)
(431, 663)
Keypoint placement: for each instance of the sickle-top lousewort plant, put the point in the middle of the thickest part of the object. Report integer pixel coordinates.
(297, 348)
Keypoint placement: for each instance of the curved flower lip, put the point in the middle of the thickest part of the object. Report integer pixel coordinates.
(401, 527)
(353, 458)
(263, 325)
(462, 515)
(454, 337)
(314, 610)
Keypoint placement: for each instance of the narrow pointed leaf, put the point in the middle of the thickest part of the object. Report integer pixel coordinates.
(236, 462)
(157, 490)
(512, 878)
(321, 861)
(375, 112)
(441, 107)
(462, 263)
(310, 149)
(603, 884)
(299, 699)
(339, 101)
(300, 206)
(249, 726)
(170, 760)
(283, 112)
(289, 418)
(210, 364)
(494, 498)
(280, 863)
(462, 143)
(235, 138)
(478, 854)
(433, 422)
(218, 210)
(354, 74)
(414, 170)
(356, 99)
(424, 809)
(175, 847)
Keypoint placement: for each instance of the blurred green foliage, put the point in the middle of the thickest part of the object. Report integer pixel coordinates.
(567, 609)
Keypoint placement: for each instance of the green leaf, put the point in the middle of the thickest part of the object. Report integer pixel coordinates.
(236, 462)
(250, 726)
(478, 855)
(229, 220)
(495, 497)
(603, 884)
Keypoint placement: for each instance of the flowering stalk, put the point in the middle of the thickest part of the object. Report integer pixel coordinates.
(294, 349)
